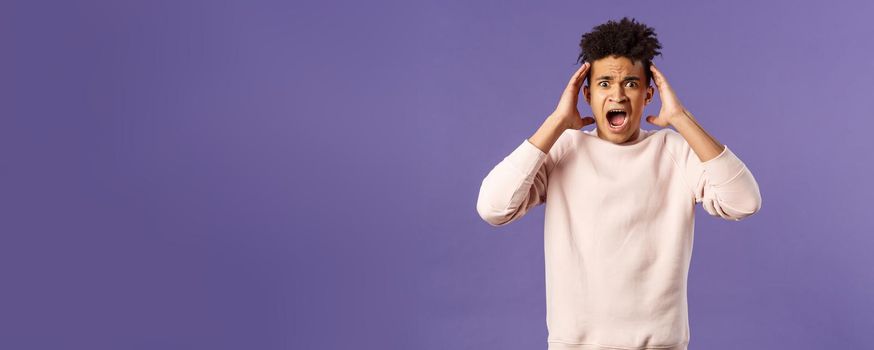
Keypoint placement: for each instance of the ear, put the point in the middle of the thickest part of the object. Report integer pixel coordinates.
(586, 94)
(649, 93)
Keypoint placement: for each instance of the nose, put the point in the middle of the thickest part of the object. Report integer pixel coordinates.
(618, 95)
(619, 99)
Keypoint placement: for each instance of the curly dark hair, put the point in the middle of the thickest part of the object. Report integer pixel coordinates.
(626, 38)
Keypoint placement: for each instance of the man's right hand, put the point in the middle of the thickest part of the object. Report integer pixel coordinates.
(566, 115)
(566, 112)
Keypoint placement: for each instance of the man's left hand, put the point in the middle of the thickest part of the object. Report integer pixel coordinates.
(672, 110)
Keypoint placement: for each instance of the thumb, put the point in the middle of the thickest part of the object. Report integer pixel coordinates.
(651, 119)
(588, 120)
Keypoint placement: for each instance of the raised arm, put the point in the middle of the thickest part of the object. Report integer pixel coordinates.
(723, 185)
(515, 185)
(719, 180)
(519, 181)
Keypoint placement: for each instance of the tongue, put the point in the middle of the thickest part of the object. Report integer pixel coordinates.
(616, 118)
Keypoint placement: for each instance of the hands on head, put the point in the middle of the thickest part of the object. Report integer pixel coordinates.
(671, 108)
(569, 114)
(567, 110)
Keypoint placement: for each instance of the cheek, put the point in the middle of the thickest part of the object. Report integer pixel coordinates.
(638, 99)
(598, 99)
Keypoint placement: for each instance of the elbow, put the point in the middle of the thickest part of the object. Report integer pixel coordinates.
(738, 215)
(486, 206)
(758, 204)
(490, 215)
(751, 206)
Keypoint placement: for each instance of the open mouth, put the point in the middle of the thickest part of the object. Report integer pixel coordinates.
(617, 118)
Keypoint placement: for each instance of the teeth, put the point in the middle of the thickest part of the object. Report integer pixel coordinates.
(624, 120)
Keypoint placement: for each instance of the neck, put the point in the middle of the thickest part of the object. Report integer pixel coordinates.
(632, 138)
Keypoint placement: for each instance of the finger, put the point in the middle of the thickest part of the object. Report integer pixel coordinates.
(655, 121)
(588, 121)
(655, 70)
(662, 85)
(576, 74)
(579, 75)
(583, 70)
(659, 77)
(656, 75)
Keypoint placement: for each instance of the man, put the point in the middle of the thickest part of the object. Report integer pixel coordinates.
(620, 200)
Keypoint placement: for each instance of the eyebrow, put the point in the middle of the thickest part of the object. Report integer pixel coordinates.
(610, 77)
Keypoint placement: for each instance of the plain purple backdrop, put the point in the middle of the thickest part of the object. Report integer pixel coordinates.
(303, 175)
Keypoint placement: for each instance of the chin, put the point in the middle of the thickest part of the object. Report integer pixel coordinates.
(618, 137)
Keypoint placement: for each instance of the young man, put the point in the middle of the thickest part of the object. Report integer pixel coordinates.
(620, 200)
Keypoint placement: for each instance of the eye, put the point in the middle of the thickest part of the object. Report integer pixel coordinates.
(631, 84)
(602, 83)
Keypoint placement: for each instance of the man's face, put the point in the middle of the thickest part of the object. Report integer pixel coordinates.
(616, 92)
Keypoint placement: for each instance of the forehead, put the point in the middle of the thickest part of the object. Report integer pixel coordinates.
(616, 66)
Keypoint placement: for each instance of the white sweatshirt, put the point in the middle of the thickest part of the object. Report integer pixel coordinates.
(618, 230)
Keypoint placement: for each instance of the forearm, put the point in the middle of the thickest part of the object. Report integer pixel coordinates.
(706, 147)
(514, 185)
(548, 133)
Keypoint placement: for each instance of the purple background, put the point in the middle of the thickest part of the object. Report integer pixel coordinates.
(303, 175)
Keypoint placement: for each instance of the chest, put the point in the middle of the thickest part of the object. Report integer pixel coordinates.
(626, 184)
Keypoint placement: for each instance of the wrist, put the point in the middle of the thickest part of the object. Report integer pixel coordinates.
(557, 122)
(680, 118)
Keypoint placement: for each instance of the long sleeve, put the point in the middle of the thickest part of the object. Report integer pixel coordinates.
(514, 185)
(724, 185)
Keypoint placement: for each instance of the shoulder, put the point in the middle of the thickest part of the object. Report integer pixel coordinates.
(677, 146)
(568, 142)
(670, 135)
(672, 139)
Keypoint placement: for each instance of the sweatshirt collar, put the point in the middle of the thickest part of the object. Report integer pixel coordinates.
(594, 132)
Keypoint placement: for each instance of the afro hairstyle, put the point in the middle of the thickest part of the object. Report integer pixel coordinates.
(625, 38)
